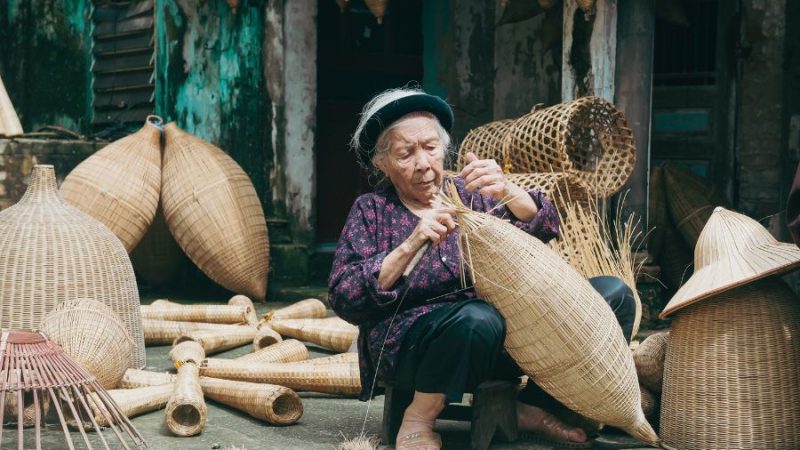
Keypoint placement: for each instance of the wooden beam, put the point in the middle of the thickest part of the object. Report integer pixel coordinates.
(598, 50)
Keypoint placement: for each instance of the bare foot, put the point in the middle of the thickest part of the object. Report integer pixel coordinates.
(416, 431)
(534, 419)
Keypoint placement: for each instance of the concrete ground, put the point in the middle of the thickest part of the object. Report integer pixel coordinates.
(326, 420)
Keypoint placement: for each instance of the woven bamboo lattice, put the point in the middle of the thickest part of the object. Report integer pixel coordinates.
(731, 371)
(338, 379)
(657, 217)
(52, 252)
(561, 187)
(9, 121)
(486, 142)
(649, 360)
(47, 372)
(243, 300)
(649, 403)
(691, 200)
(137, 378)
(310, 308)
(230, 314)
(214, 213)
(131, 402)
(587, 137)
(559, 330)
(289, 350)
(186, 412)
(332, 333)
(273, 404)
(158, 260)
(120, 184)
(91, 334)
(214, 341)
(164, 332)
(265, 337)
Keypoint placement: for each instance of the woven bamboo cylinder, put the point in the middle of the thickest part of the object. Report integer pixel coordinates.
(649, 403)
(186, 409)
(691, 200)
(137, 378)
(657, 218)
(486, 142)
(289, 350)
(158, 260)
(649, 360)
(310, 308)
(214, 341)
(731, 371)
(265, 337)
(273, 404)
(9, 121)
(164, 332)
(43, 243)
(559, 330)
(120, 184)
(91, 334)
(214, 213)
(243, 300)
(230, 314)
(132, 402)
(588, 137)
(331, 333)
(377, 8)
(333, 359)
(339, 379)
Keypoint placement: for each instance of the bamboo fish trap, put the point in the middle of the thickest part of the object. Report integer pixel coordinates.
(120, 184)
(92, 335)
(47, 373)
(649, 360)
(218, 341)
(265, 337)
(230, 314)
(132, 402)
(691, 200)
(309, 308)
(164, 332)
(9, 121)
(333, 359)
(289, 350)
(186, 409)
(243, 300)
(214, 213)
(52, 252)
(559, 330)
(332, 333)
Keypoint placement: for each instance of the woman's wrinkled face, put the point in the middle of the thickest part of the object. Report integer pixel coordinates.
(414, 162)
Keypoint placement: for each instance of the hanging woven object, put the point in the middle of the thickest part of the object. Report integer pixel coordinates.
(120, 184)
(43, 241)
(91, 334)
(649, 360)
(588, 137)
(229, 314)
(377, 8)
(265, 337)
(691, 200)
(218, 341)
(158, 260)
(9, 121)
(486, 142)
(331, 333)
(47, 372)
(164, 332)
(560, 330)
(309, 308)
(186, 412)
(214, 213)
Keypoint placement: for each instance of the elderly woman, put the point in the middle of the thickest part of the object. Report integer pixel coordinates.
(419, 329)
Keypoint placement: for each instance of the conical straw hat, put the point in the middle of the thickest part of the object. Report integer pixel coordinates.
(9, 122)
(332, 333)
(310, 308)
(120, 184)
(732, 250)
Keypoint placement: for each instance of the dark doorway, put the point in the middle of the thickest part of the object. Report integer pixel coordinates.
(357, 58)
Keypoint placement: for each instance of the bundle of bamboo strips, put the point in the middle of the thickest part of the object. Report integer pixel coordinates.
(164, 332)
(310, 308)
(332, 333)
(215, 341)
(265, 337)
(186, 409)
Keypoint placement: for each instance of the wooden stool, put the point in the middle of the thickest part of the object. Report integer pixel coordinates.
(493, 409)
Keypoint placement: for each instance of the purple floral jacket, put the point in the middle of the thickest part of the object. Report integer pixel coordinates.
(378, 223)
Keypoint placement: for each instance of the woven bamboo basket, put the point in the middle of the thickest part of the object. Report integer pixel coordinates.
(560, 331)
(486, 142)
(289, 350)
(649, 403)
(42, 242)
(310, 308)
(649, 360)
(243, 300)
(563, 188)
(164, 332)
(132, 402)
(331, 333)
(214, 341)
(339, 379)
(588, 137)
(158, 260)
(230, 314)
(138, 378)
(657, 218)
(349, 357)
(265, 337)
(9, 122)
(91, 334)
(731, 371)
(214, 213)
(186, 409)
(691, 200)
(120, 184)
(273, 404)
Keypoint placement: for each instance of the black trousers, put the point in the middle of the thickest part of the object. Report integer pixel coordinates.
(455, 348)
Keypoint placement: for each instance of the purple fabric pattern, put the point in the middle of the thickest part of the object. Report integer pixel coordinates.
(379, 222)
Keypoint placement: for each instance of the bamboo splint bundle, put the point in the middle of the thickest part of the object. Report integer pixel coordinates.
(186, 409)
(309, 308)
(265, 337)
(164, 332)
(335, 378)
(221, 314)
(560, 331)
(215, 341)
(332, 332)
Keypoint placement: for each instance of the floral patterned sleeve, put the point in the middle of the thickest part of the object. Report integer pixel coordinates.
(353, 289)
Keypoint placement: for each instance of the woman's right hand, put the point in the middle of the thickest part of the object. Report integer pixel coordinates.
(434, 225)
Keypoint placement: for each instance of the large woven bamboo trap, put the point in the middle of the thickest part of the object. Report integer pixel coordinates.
(331, 333)
(731, 371)
(559, 330)
(214, 213)
(230, 314)
(310, 308)
(486, 142)
(120, 184)
(158, 260)
(9, 121)
(164, 332)
(43, 243)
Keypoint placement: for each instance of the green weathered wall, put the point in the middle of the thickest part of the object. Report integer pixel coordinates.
(45, 61)
(211, 80)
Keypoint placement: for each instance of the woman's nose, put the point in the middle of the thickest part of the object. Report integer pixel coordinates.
(422, 162)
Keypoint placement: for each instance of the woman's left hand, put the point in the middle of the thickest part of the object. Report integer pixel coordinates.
(485, 176)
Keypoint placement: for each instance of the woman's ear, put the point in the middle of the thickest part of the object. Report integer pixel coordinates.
(379, 162)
